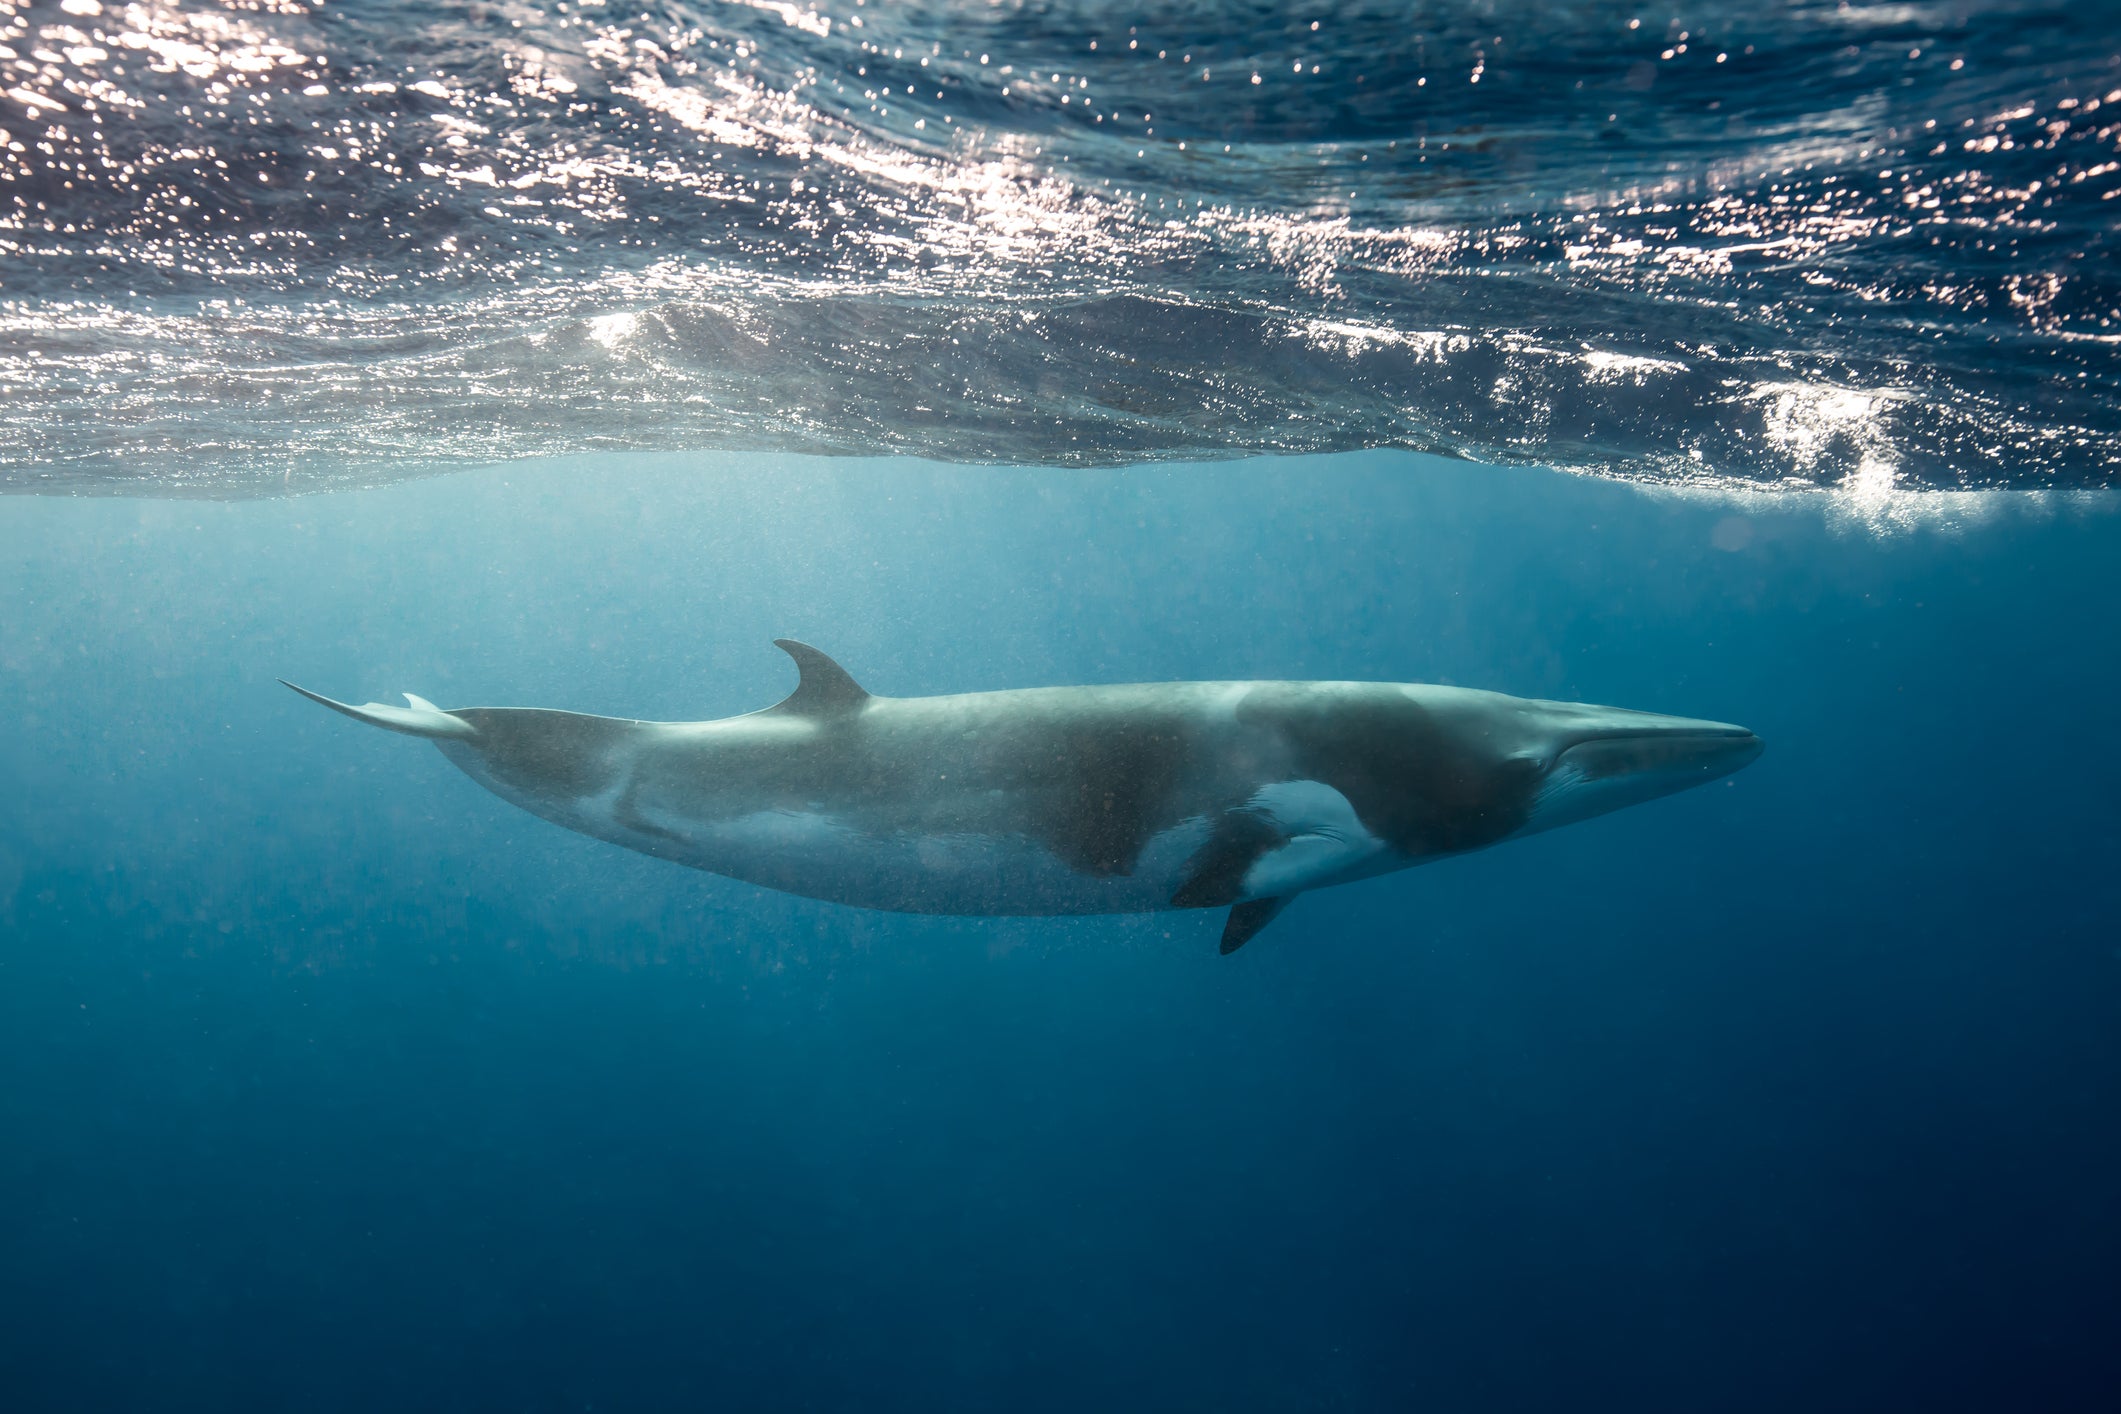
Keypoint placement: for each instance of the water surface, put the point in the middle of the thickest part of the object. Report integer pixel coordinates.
(245, 245)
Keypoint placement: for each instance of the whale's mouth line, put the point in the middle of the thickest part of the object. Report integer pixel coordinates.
(1645, 753)
(1713, 732)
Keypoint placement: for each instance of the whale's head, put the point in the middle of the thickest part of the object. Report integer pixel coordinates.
(1434, 770)
(1592, 760)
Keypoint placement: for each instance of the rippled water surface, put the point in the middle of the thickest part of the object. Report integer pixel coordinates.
(261, 243)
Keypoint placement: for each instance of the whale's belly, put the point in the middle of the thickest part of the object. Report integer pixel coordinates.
(870, 858)
(822, 856)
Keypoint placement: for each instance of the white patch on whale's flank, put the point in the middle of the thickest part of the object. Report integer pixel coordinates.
(806, 849)
(785, 829)
(1327, 841)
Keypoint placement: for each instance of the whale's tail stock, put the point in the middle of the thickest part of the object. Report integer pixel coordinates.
(422, 718)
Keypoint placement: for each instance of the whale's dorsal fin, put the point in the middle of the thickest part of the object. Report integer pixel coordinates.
(825, 689)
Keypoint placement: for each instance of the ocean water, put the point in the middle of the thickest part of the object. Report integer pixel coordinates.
(1752, 361)
(332, 1082)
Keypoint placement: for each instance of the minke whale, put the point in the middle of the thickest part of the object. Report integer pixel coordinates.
(1069, 800)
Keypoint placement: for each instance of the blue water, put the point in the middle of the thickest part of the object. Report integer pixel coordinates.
(330, 1082)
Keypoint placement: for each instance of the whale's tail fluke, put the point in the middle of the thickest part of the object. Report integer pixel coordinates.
(422, 718)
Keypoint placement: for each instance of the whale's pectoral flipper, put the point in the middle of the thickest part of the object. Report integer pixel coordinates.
(1215, 875)
(824, 689)
(1246, 919)
(422, 718)
(1290, 836)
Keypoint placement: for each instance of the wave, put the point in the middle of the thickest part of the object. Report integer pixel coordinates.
(255, 244)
